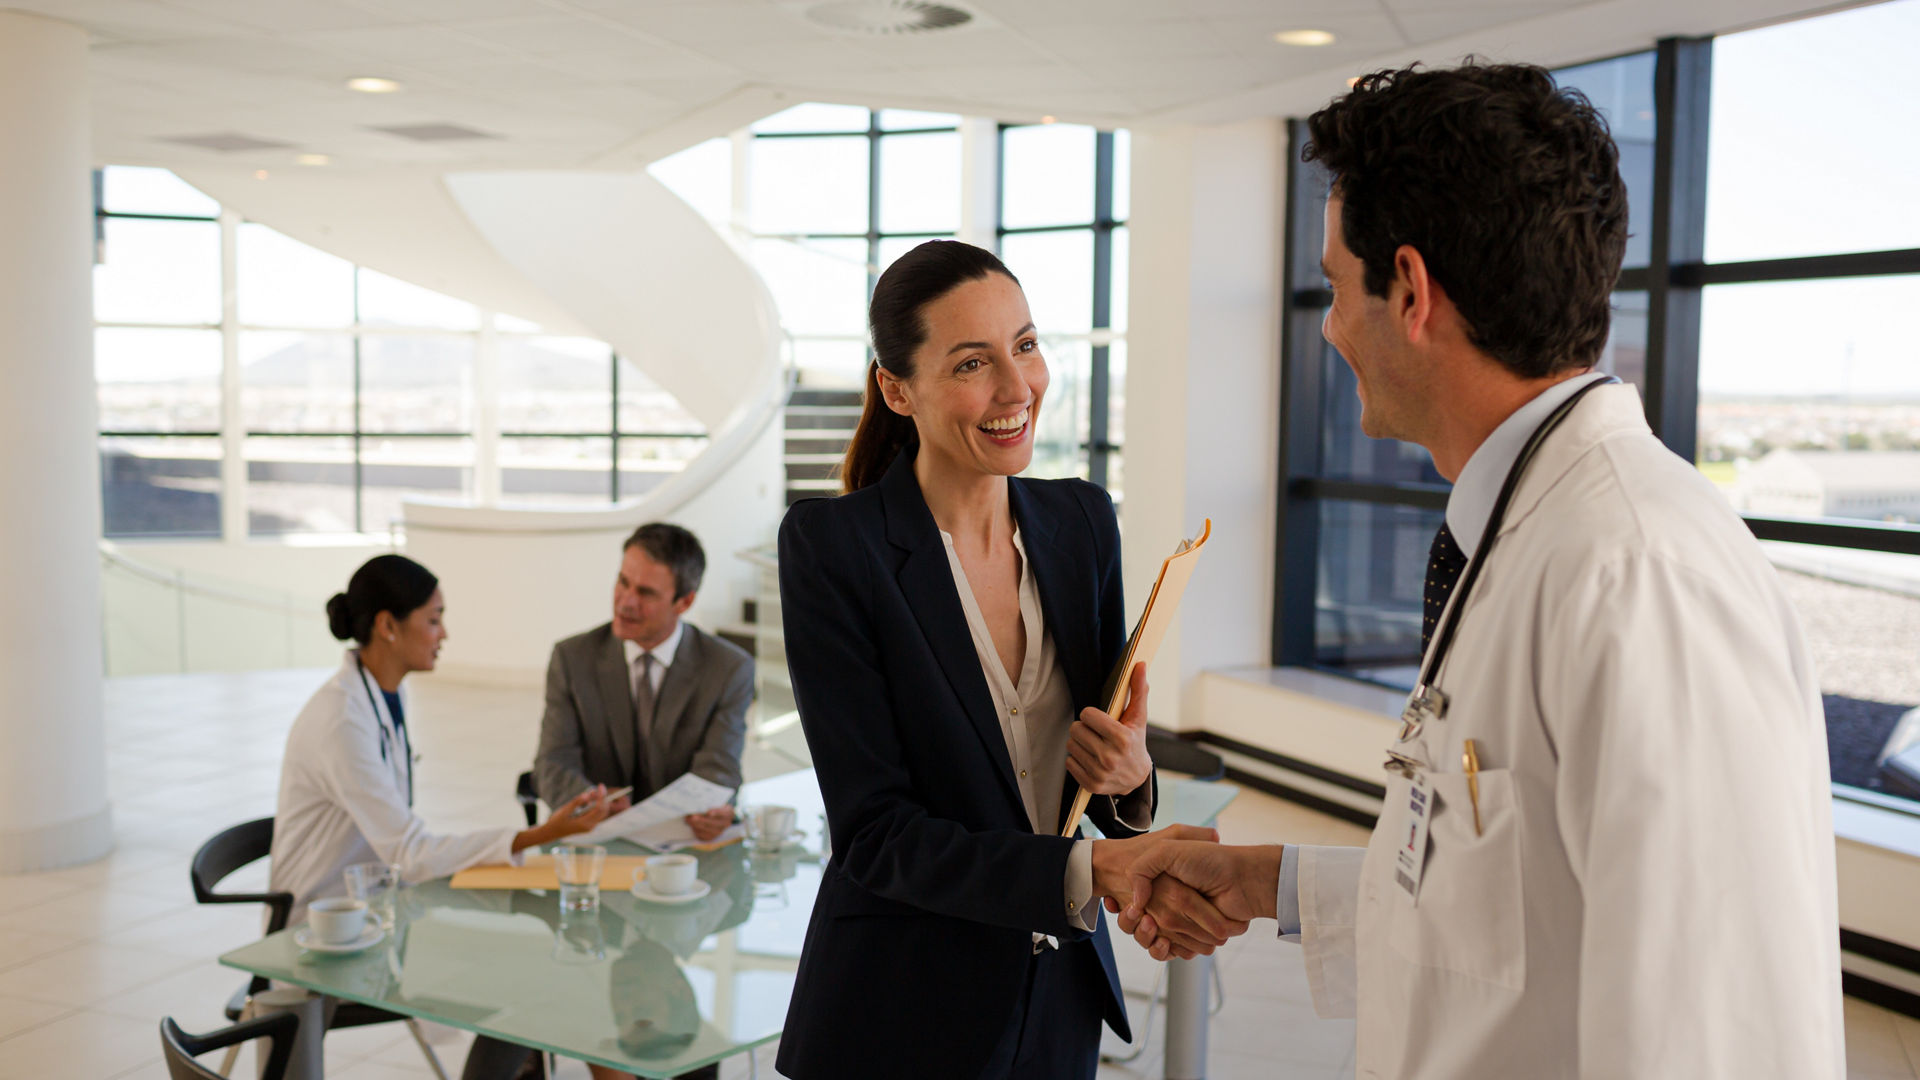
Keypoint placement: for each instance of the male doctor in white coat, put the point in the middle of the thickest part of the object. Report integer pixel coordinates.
(1632, 874)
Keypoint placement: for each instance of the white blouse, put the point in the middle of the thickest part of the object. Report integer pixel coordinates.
(1036, 713)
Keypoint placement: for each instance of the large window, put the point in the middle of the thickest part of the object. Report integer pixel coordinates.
(350, 390)
(835, 193)
(1063, 212)
(1760, 313)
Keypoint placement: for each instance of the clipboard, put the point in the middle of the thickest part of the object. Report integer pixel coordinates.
(1162, 604)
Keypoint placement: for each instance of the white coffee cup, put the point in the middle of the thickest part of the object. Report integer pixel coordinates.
(672, 875)
(337, 920)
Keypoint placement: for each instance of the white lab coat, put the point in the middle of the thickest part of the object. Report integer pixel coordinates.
(343, 799)
(1654, 891)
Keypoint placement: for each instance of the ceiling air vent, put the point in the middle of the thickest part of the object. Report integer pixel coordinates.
(434, 132)
(888, 16)
(226, 142)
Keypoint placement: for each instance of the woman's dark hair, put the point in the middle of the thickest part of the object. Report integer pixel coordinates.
(896, 319)
(1508, 186)
(383, 583)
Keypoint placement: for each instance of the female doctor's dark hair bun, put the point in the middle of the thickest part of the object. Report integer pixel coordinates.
(392, 583)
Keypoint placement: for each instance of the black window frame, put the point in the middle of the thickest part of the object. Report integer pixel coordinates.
(1099, 444)
(1673, 281)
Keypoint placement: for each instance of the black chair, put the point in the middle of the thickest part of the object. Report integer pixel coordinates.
(246, 843)
(181, 1048)
(529, 798)
(1172, 752)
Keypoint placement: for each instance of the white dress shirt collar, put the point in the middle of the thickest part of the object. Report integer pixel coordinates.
(662, 653)
(1481, 478)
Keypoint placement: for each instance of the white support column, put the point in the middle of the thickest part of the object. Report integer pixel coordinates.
(741, 201)
(979, 182)
(233, 427)
(1203, 347)
(53, 758)
(486, 420)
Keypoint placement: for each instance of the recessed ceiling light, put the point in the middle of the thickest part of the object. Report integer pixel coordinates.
(260, 174)
(1353, 81)
(313, 159)
(368, 84)
(1048, 119)
(1304, 38)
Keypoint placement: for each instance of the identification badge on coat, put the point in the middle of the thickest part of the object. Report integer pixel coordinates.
(1411, 856)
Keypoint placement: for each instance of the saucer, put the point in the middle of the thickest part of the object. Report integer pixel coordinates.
(372, 936)
(642, 891)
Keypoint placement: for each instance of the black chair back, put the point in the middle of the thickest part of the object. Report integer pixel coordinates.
(229, 850)
(1172, 752)
(180, 1048)
(529, 798)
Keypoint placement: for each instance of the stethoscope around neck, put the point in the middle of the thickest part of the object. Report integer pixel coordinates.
(1429, 702)
(387, 732)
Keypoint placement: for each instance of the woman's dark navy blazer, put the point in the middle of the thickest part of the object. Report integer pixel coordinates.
(922, 932)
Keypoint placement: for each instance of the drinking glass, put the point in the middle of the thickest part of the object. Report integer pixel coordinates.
(579, 938)
(376, 883)
(578, 867)
(769, 827)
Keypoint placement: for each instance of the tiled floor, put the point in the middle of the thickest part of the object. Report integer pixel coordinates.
(91, 957)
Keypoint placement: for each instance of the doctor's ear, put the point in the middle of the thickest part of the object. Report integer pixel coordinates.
(386, 626)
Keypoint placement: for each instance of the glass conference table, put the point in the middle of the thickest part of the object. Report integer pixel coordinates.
(651, 989)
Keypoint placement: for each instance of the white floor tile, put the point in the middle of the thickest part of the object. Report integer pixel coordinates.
(80, 1046)
(24, 1014)
(87, 975)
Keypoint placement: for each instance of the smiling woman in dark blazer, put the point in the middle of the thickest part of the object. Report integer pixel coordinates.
(945, 625)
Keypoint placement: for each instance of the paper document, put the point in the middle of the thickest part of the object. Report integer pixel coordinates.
(670, 836)
(688, 795)
(1162, 603)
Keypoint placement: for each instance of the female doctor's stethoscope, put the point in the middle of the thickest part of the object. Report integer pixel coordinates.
(1428, 702)
(387, 748)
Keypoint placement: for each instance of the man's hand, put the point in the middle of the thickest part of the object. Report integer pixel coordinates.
(1189, 923)
(615, 806)
(1240, 882)
(710, 824)
(1108, 756)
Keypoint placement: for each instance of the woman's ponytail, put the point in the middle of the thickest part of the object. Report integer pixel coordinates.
(879, 438)
(896, 319)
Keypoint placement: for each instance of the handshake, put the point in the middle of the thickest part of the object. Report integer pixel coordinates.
(1182, 893)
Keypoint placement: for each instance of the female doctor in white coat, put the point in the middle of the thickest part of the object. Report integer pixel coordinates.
(1606, 846)
(346, 783)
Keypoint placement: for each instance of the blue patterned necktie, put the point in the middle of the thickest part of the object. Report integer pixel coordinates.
(1445, 561)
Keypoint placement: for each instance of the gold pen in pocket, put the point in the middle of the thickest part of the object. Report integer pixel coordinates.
(1470, 760)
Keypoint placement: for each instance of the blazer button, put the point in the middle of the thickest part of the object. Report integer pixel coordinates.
(1014, 712)
(1023, 774)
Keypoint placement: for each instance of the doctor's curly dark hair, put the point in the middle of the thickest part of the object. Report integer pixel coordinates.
(1507, 185)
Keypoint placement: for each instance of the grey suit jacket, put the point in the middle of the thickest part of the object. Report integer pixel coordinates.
(591, 734)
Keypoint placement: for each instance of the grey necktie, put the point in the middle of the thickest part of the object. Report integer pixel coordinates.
(643, 694)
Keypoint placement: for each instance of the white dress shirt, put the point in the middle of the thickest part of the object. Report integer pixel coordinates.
(662, 660)
(1036, 713)
(343, 799)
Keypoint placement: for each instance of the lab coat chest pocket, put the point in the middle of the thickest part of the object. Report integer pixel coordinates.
(1470, 917)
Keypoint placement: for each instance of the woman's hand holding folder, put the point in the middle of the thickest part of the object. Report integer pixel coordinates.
(1108, 755)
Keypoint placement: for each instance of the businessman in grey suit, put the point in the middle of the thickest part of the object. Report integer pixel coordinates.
(646, 698)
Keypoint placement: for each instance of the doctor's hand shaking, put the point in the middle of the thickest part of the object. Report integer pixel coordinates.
(1185, 922)
(1241, 883)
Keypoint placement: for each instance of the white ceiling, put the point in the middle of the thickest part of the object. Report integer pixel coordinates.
(613, 83)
